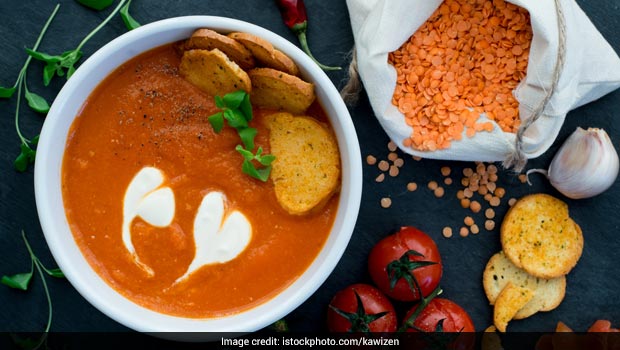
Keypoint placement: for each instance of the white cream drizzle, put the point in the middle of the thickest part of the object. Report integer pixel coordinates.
(218, 239)
(145, 198)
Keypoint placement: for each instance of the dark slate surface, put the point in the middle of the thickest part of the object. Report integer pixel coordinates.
(593, 286)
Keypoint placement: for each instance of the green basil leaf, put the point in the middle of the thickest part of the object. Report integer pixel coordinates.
(70, 71)
(219, 102)
(263, 174)
(130, 22)
(43, 56)
(18, 281)
(48, 72)
(55, 273)
(266, 159)
(234, 99)
(96, 4)
(247, 155)
(217, 122)
(36, 102)
(6, 92)
(246, 107)
(21, 162)
(35, 140)
(260, 174)
(235, 118)
(247, 136)
(69, 58)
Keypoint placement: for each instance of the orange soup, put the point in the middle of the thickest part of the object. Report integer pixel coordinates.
(145, 115)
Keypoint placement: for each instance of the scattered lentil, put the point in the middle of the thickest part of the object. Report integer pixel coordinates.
(416, 158)
(468, 221)
(447, 232)
(447, 181)
(488, 196)
(464, 232)
(468, 172)
(523, 178)
(399, 162)
(489, 213)
(468, 193)
(439, 192)
(500, 192)
(392, 146)
(392, 156)
(432, 185)
(494, 201)
(384, 165)
(380, 178)
(475, 206)
(512, 201)
(386, 202)
(445, 171)
(412, 186)
(371, 160)
(489, 225)
(394, 171)
(460, 194)
(465, 203)
(474, 229)
(491, 186)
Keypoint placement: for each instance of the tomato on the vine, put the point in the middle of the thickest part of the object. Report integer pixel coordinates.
(361, 308)
(394, 258)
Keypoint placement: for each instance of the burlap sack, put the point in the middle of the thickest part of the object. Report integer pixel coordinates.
(570, 64)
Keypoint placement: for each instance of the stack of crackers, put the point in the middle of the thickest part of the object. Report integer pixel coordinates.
(219, 64)
(541, 244)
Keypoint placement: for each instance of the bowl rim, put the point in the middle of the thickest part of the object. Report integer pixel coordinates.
(47, 187)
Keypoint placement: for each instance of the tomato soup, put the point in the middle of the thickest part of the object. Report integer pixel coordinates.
(144, 115)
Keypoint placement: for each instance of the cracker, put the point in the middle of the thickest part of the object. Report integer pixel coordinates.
(306, 171)
(538, 236)
(207, 39)
(277, 90)
(265, 53)
(548, 294)
(511, 299)
(213, 73)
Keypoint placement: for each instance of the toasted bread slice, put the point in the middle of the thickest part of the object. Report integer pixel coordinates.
(212, 72)
(281, 91)
(265, 54)
(306, 171)
(548, 294)
(538, 236)
(207, 39)
(511, 299)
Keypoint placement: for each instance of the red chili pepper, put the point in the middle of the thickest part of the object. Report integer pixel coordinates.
(294, 16)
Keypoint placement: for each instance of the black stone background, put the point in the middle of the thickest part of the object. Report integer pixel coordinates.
(593, 286)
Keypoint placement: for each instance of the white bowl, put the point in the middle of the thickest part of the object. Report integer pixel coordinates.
(60, 239)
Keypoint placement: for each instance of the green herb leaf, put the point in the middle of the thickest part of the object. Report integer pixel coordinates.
(48, 72)
(26, 343)
(36, 102)
(235, 118)
(55, 273)
(96, 4)
(69, 58)
(219, 102)
(6, 92)
(247, 155)
(247, 136)
(246, 107)
(260, 174)
(18, 281)
(130, 22)
(43, 56)
(35, 140)
(266, 159)
(217, 122)
(234, 99)
(26, 157)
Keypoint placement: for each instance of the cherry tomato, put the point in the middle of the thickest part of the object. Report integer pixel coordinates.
(443, 315)
(393, 248)
(602, 326)
(375, 314)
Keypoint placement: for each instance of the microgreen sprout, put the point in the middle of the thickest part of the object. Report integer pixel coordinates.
(64, 63)
(236, 109)
(22, 280)
(96, 4)
(36, 102)
(129, 21)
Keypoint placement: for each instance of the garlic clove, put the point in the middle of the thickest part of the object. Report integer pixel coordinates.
(586, 164)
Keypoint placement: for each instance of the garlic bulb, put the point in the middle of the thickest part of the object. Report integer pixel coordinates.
(585, 166)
